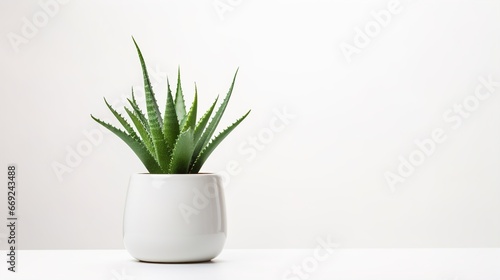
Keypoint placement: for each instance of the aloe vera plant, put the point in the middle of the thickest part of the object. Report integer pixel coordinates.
(176, 143)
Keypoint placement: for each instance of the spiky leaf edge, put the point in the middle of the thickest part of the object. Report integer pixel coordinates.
(180, 105)
(202, 123)
(154, 118)
(170, 123)
(181, 156)
(212, 125)
(121, 119)
(145, 136)
(205, 153)
(191, 115)
(139, 112)
(136, 145)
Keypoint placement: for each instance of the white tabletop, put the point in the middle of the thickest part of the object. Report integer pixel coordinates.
(339, 264)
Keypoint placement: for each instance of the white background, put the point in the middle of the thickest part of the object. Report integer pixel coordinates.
(320, 174)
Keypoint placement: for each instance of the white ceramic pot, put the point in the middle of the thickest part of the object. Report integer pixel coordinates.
(174, 217)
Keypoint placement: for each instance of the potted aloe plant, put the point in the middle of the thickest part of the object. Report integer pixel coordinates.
(173, 213)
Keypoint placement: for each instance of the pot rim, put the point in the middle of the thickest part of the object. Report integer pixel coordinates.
(179, 175)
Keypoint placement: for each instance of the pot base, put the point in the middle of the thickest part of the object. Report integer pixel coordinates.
(174, 249)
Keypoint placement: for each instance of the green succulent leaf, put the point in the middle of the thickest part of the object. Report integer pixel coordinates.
(154, 118)
(180, 106)
(202, 123)
(176, 143)
(170, 123)
(152, 104)
(123, 122)
(135, 144)
(138, 111)
(205, 153)
(191, 116)
(145, 136)
(181, 156)
(212, 125)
